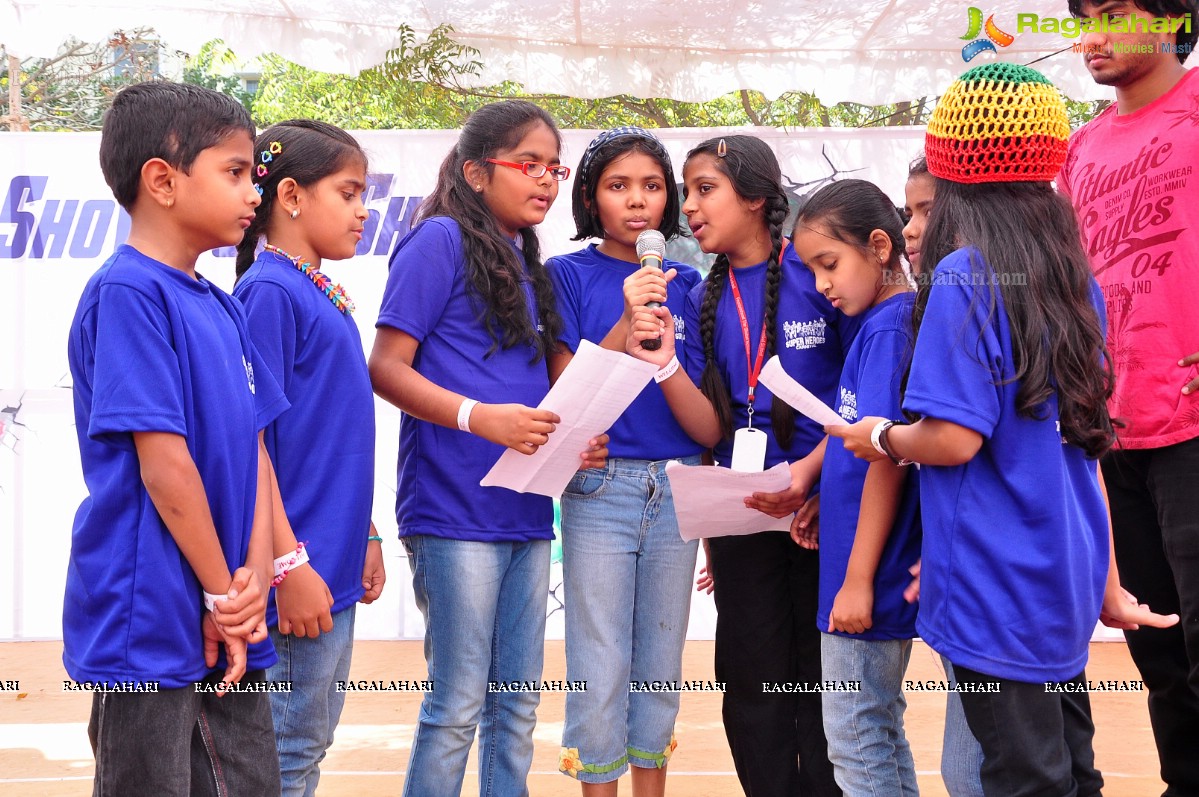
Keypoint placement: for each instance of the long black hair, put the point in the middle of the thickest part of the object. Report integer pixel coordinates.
(305, 150)
(1031, 248)
(493, 270)
(754, 172)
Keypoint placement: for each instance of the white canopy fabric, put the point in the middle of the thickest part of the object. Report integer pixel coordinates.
(871, 51)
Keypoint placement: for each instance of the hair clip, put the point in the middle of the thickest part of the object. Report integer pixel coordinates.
(269, 154)
(722, 149)
(258, 188)
(262, 172)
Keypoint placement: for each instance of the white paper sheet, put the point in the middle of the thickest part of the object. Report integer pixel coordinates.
(709, 500)
(589, 396)
(780, 383)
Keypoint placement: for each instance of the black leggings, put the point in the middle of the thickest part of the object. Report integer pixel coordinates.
(766, 590)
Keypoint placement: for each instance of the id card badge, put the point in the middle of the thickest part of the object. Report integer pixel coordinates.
(749, 450)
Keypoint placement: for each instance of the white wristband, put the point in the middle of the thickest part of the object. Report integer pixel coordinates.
(667, 370)
(210, 600)
(291, 560)
(464, 414)
(876, 434)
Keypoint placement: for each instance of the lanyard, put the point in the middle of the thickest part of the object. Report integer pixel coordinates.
(756, 367)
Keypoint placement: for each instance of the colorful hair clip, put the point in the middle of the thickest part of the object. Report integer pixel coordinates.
(722, 149)
(262, 171)
(258, 188)
(267, 157)
(276, 147)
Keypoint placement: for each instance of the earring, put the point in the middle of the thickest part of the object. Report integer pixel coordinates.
(295, 213)
(478, 188)
(170, 202)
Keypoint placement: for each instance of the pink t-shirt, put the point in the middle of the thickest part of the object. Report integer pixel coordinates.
(1132, 180)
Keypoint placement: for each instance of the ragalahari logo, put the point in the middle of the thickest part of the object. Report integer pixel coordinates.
(994, 35)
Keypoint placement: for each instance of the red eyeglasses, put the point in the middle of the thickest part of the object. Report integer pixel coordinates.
(534, 169)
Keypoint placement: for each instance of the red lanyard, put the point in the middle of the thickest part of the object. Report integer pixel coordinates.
(756, 368)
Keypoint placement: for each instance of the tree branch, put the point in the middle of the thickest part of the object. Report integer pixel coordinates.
(749, 109)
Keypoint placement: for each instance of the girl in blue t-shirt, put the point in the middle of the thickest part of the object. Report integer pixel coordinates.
(851, 238)
(757, 300)
(311, 176)
(469, 311)
(1007, 393)
(626, 570)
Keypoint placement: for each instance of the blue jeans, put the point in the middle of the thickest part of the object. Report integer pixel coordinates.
(184, 742)
(961, 755)
(627, 574)
(306, 717)
(866, 743)
(484, 608)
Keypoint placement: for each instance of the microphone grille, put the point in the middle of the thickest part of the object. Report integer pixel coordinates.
(651, 242)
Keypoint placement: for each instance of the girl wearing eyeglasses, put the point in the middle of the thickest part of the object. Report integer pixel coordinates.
(467, 319)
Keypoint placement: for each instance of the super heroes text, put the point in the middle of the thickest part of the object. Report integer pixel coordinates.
(39, 219)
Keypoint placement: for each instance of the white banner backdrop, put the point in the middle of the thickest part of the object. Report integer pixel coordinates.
(58, 223)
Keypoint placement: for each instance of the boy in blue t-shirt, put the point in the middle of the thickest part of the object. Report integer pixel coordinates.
(170, 551)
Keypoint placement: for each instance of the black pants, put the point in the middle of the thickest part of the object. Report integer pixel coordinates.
(1036, 742)
(1154, 495)
(766, 594)
(185, 743)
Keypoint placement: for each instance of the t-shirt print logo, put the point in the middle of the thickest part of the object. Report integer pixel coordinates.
(805, 334)
(249, 373)
(848, 408)
(1187, 115)
(680, 328)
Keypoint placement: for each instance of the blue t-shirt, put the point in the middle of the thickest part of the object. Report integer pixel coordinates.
(440, 468)
(1016, 539)
(323, 448)
(153, 350)
(869, 386)
(811, 340)
(589, 286)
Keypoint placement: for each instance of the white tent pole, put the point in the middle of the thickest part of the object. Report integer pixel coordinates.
(16, 121)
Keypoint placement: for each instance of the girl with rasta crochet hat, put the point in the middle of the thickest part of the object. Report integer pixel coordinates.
(626, 570)
(1006, 395)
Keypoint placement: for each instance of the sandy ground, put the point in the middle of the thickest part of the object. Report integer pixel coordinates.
(44, 749)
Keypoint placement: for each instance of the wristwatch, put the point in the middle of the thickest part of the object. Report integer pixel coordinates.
(878, 438)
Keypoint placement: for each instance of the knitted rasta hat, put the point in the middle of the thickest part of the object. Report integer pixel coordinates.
(998, 122)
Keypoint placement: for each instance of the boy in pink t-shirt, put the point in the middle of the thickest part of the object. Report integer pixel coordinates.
(1132, 175)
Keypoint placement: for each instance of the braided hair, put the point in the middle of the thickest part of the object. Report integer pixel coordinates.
(305, 150)
(754, 172)
(493, 271)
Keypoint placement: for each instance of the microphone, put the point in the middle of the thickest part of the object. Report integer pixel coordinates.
(651, 251)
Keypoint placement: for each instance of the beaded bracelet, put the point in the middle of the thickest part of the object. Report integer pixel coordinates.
(288, 562)
(374, 538)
